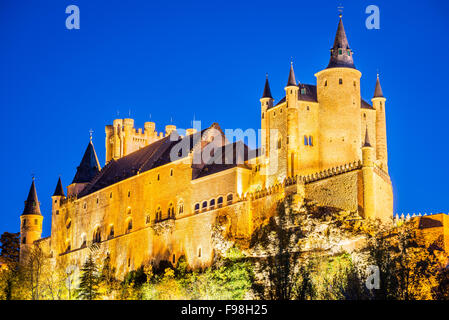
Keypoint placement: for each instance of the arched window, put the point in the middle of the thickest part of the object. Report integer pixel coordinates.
(306, 141)
(180, 207)
(129, 226)
(212, 204)
(171, 211)
(229, 198)
(111, 232)
(97, 235)
(158, 214)
(310, 141)
(197, 207)
(204, 205)
(220, 202)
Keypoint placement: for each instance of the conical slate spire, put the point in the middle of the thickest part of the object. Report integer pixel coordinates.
(341, 54)
(378, 90)
(32, 203)
(291, 76)
(367, 143)
(266, 90)
(89, 166)
(59, 191)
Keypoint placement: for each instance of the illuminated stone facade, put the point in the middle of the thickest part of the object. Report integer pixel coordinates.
(321, 142)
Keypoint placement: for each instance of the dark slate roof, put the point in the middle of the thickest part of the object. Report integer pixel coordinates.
(367, 142)
(147, 158)
(32, 203)
(378, 90)
(366, 105)
(59, 191)
(266, 90)
(89, 166)
(291, 77)
(227, 157)
(343, 60)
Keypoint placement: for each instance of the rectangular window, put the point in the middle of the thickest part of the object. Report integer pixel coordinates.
(306, 142)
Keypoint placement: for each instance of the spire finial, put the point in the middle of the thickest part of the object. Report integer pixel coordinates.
(340, 10)
(90, 134)
(266, 75)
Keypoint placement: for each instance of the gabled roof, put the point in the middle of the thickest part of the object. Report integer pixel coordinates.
(89, 166)
(32, 203)
(226, 157)
(152, 156)
(306, 92)
(341, 54)
(59, 191)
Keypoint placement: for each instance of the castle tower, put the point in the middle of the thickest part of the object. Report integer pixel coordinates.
(338, 93)
(378, 101)
(266, 102)
(291, 96)
(57, 197)
(368, 158)
(30, 222)
(86, 171)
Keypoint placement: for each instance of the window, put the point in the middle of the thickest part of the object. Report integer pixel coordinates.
(306, 141)
(57, 212)
(171, 211)
(158, 177)
(110, 195)
(68, 223)
(111, 232)
(303, 90)
(171, 172)
(68, 247)
(97, 235)
(355, 84)
(229, 198)
(340, 81)
(128, 210)
(204, 206)
(325, 83)
(263, 115)
(310, 141)
(158, 213)
(288, 140)
(174, 258)
(85, 205)
(349, 52)
(308, 108)
(199, 252)
(24, 222)
(180, 208)
(220, 202)
(212, 204)
(197, 207)
(129, 194)
(24, 240)
(340, 51)
(279, 143)
(130, 225)
(147, 219)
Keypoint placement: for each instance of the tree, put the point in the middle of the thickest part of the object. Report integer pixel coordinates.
(10, 248)
(108, 284)
(89, 283)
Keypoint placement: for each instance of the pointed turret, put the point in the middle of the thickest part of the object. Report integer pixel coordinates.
(59, 191)
(291, 76)
(378, 90)
(32, 203)
(341, 54)
(266, 89)
(89, 166)
(367, 142)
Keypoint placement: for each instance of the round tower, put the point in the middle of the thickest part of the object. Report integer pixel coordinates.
(368, 158)
(378, 101)
(338, 93)
(266, 102)
(30, 222)
(291, 96)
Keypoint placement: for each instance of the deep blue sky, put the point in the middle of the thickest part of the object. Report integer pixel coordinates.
(208, 58)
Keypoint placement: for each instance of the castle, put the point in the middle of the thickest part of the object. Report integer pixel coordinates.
(159, 194)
